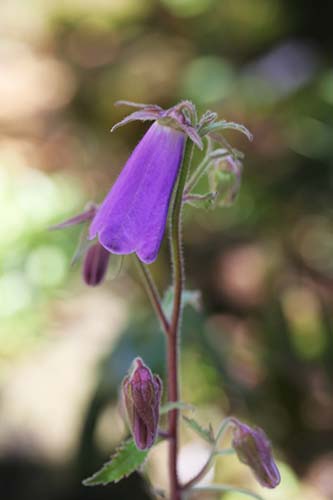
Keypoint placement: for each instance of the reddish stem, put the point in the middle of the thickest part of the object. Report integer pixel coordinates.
(173, 395)
(174, 330)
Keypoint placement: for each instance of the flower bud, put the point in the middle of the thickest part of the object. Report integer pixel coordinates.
(225, 179)
(95, 264)
(141, 391)
(253, 448)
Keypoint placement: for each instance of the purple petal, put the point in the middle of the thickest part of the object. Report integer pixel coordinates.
(137, 115)
(142, 437)
(142, 396)
(132, 217)
(253, 448)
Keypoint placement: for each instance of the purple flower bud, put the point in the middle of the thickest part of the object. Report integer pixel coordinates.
(133, 216)
(142, 391)
(96, 257)
(95, 264)
(254, 449)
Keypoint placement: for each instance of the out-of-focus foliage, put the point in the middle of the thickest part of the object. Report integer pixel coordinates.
(262, 346)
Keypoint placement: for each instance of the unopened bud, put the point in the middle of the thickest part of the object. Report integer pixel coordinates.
(95, 264)
(254, 449)
(142, 391)
(225, 179)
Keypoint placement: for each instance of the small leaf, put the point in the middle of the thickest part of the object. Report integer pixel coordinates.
(224, 125)
(192, 298)
(175, 405)
(206, 434)
(126, 459)
(189, 297)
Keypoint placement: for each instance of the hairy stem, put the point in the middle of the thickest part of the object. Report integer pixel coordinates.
(174, 330)
(153, 294)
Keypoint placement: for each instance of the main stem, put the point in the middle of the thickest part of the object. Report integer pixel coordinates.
(174, 329)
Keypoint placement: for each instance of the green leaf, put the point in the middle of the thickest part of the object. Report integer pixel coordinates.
(224, 125)
(175, 405)
(126, 459)
(206, 434)
(189, 297)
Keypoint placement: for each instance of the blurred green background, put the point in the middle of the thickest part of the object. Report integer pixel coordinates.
(261, 347)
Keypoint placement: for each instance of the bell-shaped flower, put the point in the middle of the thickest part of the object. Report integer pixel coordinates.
(132, 217)
(254, 449)
(141, 392)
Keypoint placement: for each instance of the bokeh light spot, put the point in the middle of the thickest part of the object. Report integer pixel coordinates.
(15, 293)
(188, 7)
(46, 266)
(208, 79)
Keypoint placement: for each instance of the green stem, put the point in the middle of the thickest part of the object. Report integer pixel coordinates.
(173, 338)
(214, 452)
(223, 427)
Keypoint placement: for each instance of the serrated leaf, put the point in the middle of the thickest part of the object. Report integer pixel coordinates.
(189, 297)
(224, 125)
(126, 459)
(206, 434)
(175, 405)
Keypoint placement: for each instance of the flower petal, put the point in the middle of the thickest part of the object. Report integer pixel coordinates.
(132, 217)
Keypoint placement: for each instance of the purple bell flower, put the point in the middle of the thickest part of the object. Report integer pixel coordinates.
(254, 449)
(142, 391)
(132, 218)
